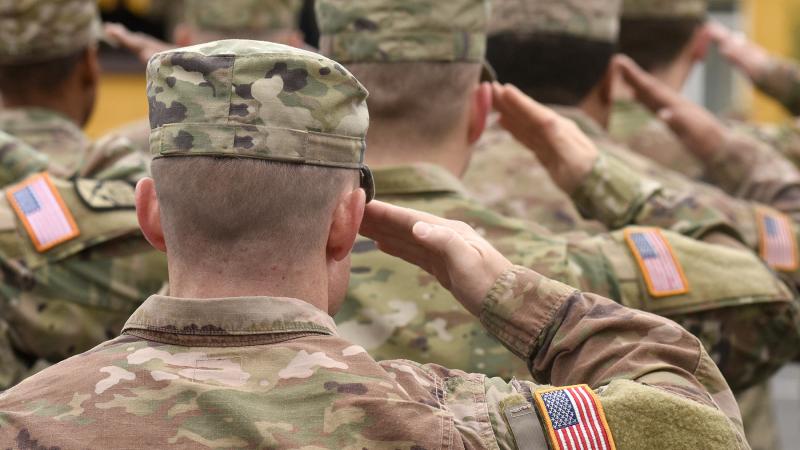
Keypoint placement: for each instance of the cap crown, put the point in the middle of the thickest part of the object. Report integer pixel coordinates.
(256, 99)
(664, 8)
(39, 30)
(259, 16)
(403, 30)
(591, 19)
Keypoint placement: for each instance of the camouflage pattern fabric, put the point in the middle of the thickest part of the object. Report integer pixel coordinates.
(268, 372)
(782, 82)
(18, 160)
(630, 207)
(591, 19)
(423, 322)
(402, 30)
(68, 299)
(634, 125)
(633, 9)
(259, 100)
(69, 151)
(747, 170)
(253, 17)
(40, 30)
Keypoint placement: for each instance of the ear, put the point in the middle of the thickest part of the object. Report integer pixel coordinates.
(479, 109)
(345, 223)
(605, 89)
(182, 35)
(700, 43)
(90, 77)
(149, 214)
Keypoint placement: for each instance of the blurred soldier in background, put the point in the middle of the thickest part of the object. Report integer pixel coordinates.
(49, 73)
(427, 108)
(210, 20)
(246, 354)
(74, 263)
(610, 192)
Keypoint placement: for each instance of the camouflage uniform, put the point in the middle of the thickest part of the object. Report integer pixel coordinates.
(253, 372)
(63, 299)
(781, 81)
(39, 31)
(608, 194)
(212, 20)
(422, 321)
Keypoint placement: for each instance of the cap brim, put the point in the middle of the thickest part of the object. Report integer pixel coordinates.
(368, 183)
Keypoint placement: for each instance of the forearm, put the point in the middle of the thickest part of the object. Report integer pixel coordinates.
(619, 196)
(564, 336)
(781, 81)
(749, 169)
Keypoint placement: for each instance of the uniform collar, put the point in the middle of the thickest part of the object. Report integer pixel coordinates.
(416, 179)
(34, 119)
(227, 321)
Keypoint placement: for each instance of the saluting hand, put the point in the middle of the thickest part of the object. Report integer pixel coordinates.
(462, 261)
(749, 57)
(562, 148)
(142, 45)
(699, 130)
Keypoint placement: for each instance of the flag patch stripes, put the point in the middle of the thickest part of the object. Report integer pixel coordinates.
(574, 419)
(662, 271)
(778, 245)
(43, 213)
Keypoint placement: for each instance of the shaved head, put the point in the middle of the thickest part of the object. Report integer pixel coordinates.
(225, 208)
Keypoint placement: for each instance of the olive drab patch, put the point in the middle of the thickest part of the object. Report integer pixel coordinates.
(46, 218)
(104, 195)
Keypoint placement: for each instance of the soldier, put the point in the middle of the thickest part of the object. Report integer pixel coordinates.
(49, 74)
(245, 354)
(210, 20)
(427, 107)
(586, 100)
(578, 38)
(773, 76)
(668, 39)
(776, 77)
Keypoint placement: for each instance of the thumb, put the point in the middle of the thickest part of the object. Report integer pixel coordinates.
(438, 239)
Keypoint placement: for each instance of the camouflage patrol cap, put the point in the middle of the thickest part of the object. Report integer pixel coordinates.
(39, 30)
(243, 16)
(260, 100)
(403, 30)
(590, 19)
(664, 8)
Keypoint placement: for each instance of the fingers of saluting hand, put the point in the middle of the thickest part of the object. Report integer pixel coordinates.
(654, 94)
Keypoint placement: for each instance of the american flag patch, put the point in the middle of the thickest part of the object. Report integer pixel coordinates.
(42, 211)
(777, 240)
(662, 271)
(574, 419)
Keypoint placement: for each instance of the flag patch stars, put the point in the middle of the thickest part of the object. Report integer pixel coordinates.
(778, 245)
(662, 271)
(43, 213)
(573, 419)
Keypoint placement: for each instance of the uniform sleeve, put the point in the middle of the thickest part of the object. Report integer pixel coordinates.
(749, 169)
(618, 196)
(782, 82)
(647, 372)
(17, 161)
